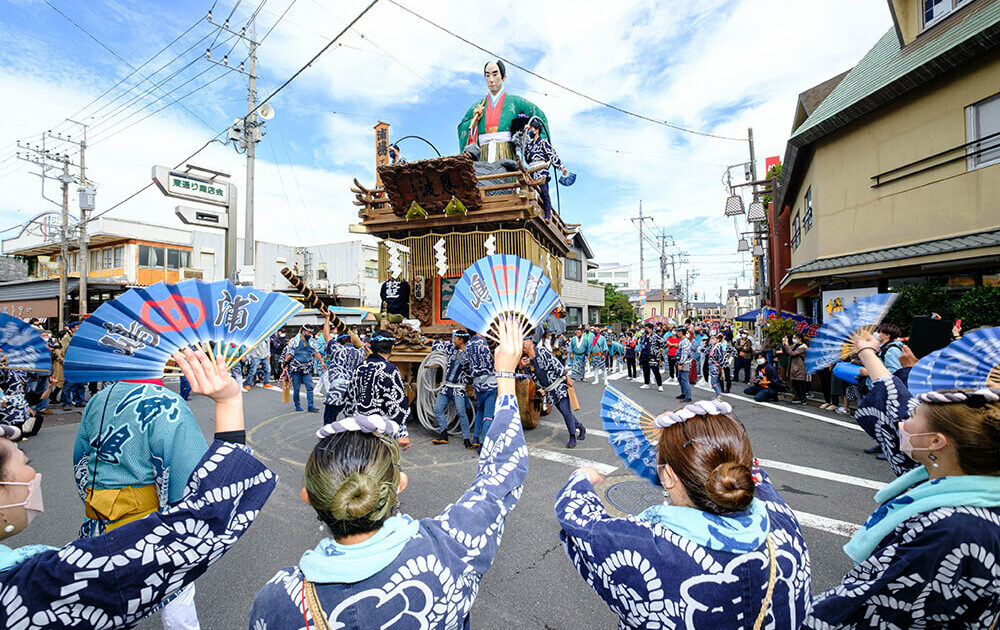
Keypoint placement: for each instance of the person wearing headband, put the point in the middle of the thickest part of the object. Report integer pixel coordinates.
(484, 385)
(116, 579)
(926, 557)
(456, 377)
(299, 355)
(376, 387)
(723, 551)
(379, 570)
(346, 353)
(553, 379)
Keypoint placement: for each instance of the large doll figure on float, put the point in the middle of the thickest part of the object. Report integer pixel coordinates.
(486, 124)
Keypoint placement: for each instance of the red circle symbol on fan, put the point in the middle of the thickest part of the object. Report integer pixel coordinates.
(174, 311)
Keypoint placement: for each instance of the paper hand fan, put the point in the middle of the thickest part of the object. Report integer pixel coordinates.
(631, 433)
(972, 362)
(568, 179)
(498, 285)
(134, 335)
(834, 341)
(22, 346)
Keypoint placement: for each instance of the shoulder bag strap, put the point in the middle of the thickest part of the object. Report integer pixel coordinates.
(310, 600)
(771, 579)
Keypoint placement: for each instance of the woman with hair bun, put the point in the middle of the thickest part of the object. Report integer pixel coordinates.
(382, 571)
(927, 557)
(724, 550)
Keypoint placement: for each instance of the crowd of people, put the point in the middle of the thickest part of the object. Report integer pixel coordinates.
(161, 504)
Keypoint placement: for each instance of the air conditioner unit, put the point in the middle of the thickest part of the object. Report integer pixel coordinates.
(321, 285)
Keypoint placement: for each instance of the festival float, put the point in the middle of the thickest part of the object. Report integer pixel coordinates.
(436, 217)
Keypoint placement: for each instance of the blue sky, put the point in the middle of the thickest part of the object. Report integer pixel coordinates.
(714, 66)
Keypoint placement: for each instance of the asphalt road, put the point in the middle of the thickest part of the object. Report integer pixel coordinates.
(814, 458)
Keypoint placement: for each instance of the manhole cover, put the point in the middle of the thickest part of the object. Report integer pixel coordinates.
(633, 497)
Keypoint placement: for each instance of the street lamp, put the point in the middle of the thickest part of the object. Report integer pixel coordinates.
(743, 245)
(734, 205)
(756, 212)
(758, 250)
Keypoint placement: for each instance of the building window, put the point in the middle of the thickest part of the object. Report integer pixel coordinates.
(371, 272)
(573, 270)
(106, 258)
(95, 259)
(119, 256)
(807, 212)
(151, 257)
(178, 259)
(936, 10)
(796, 231)
(982, 122)
(573, 315)
(593, 314)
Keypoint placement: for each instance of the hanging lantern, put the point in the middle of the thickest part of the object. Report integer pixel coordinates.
(734, 205)
(758, 250)
(743, 245)
(756, 212)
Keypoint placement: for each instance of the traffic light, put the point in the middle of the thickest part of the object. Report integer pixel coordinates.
(696, 295)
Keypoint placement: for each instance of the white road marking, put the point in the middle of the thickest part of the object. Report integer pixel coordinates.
(798, 412)
(822, 474)
(831, 525)
(571, 460)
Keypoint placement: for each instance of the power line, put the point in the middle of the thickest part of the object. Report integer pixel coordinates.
(314, 58)
(559, 85)
(116, 55)
(276, 22)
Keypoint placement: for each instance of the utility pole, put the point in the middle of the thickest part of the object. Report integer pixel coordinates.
(83, 259)
(761, 274)
(64, 245)
(246, 132)
(641, 220)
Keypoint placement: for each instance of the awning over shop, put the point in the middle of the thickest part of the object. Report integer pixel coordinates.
(38, 298)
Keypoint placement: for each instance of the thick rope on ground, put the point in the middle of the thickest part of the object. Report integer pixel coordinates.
(430, 377)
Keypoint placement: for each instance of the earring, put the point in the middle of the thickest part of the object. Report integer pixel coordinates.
(8, 528)
(933, 459)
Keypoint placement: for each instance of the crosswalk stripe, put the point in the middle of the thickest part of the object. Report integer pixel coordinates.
(822, 523)
(822, 474)
(572, 460)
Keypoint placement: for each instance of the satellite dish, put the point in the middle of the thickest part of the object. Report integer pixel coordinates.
(266, 112)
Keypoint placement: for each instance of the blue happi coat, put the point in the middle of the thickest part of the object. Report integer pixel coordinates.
(114, 580)
(377, 388)
(344, 361)
(480, 359)
(456, 375)
(426, 573)
(597, 350)
(652, 577)
(13, 407)
(548, 371)
(150, 437)
(937, 569)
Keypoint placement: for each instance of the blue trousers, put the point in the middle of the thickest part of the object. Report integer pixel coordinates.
(762, 394)
(254, 363)
(685, 383)
(485, 402)
(39, 387)
(458, 396)
(564, 408)
(74, 393)
(185, 388)
(298, 380)
(713, 378)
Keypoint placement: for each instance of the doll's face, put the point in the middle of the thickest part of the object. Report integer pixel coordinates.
(493, 79)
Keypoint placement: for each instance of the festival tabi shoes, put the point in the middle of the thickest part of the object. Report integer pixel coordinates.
(442, 438)
(468, 444)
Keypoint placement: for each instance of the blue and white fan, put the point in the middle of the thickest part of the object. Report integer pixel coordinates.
(631, 433)
(498, 285)
(972, 362)
(22, 346)
(834, 341)
(135, 335)
(568, 179)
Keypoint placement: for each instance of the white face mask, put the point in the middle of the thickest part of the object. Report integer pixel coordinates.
(906, 446)
(33, 503)
(761, 361)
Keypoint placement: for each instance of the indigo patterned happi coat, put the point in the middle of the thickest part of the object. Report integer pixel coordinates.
(652, 577)
(434, 579)
(114, 580)
(13, 407)
(377, 388)
(480, 359)
(937, 569)
(344, 361)
(457, 372)
(548, 370)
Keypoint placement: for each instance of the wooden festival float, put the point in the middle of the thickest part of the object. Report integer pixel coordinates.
(436, 217)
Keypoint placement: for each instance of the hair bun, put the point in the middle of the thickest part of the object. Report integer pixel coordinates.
(357, 496)
(730, 486)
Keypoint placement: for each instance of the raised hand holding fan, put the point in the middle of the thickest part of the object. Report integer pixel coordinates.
(135, 335)
(631, 433)
(502, 284)
(834, 341)
(22, 346)
(971, 362)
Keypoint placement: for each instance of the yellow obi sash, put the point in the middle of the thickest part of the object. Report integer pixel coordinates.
(117, 506)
